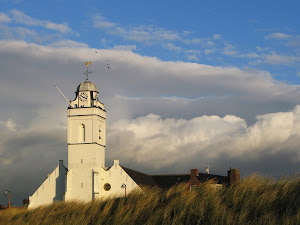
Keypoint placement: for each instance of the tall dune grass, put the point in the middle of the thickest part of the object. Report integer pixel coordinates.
(255, 200)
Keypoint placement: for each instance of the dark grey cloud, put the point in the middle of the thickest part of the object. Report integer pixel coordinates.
(25, 159)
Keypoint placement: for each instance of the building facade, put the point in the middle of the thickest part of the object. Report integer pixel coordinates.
(87, 178)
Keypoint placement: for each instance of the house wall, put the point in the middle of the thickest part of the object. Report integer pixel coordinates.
(52, 189)
(116, 176)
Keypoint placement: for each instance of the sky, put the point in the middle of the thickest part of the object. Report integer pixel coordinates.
(185, 85)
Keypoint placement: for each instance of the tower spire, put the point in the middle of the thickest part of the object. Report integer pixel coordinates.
(87, 72)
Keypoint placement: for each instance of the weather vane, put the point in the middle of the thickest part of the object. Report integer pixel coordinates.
(87, 70)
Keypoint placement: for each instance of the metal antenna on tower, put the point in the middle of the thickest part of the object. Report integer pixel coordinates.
(87, 72)
(63, 95)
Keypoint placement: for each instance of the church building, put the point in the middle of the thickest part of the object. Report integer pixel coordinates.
(87, 178)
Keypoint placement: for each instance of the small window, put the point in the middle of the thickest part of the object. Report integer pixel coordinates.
(100, 133)
(193, 187)
(107, 187)
(81, 185)
(81, 161)
(82, 133)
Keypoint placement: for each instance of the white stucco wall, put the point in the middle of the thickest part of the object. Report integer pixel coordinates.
(52, 189)
(86, 156)
(116, 176)
(92, 124)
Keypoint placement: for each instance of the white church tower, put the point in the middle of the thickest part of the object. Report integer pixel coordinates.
(86, 177)
(86, 143)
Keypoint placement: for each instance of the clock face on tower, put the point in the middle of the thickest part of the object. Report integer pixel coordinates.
(83, 97)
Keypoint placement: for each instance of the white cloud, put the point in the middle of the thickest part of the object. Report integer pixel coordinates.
(21, 18)
(209, 43)
(193, 41)
(260, 49)
(229, 50)
(4, 18)
(205, 79)
(142, 33)
(247, 92)
(173, 143)
(275, 58)
(147, 34)
(172, 47)
(100, 22)
(68, 44)
(271, 58)
(209, 51)
(294, 42)
(193, 57)
(277, 35)
(255, 62)
(217, 36)
(23, 33)
(252, 55)
(125, 47)
(63, 28)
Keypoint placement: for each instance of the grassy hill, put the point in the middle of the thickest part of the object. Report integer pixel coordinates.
(255, 200)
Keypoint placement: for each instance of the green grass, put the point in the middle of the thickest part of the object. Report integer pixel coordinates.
(255, 200)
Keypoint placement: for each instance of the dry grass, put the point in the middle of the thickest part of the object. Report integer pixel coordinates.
(255, 200)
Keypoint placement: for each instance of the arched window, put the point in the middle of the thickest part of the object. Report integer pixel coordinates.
(82, 133)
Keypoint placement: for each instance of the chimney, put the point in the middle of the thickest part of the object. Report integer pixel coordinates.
(25, 202)
(207, 170)
(234, 176)
(194, 172)
(116, 162)
(193, 181)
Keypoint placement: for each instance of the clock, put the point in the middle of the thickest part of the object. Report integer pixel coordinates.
(83, 97)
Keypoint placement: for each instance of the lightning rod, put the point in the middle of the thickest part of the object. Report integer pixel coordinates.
(63, 95)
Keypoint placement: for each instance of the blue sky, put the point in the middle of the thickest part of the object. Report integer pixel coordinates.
(190, 84)
(253, 34)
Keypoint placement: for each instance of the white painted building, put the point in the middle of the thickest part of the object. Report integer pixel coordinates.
(52, 189)
(87, 178)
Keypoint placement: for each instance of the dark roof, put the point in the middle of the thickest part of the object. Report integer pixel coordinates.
(167, 181)
(140, 178)
(219, 179)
